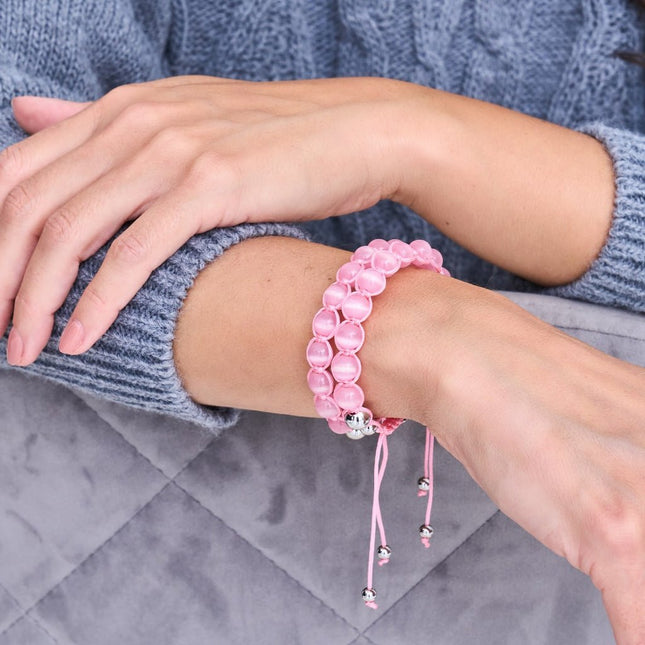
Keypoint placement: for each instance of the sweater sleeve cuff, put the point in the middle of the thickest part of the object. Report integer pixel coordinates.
(132, 363)
(617, 276)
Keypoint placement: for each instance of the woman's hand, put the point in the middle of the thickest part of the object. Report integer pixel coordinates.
(179, 156)
(551, 428)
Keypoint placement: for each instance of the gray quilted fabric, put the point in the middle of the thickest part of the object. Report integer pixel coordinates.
(118, 527)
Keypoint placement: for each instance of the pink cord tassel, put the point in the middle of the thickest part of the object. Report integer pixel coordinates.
(426, 530)
(380, 463)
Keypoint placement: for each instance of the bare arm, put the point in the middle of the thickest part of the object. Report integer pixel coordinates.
(528, 195)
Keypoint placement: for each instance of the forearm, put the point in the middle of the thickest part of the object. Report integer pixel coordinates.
(525, 194)
(243, 329)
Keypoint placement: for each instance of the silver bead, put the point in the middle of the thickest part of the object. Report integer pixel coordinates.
(384, 552)
(426, 531)
(357, 420)
(369, 595)
(354, 434)
(423, 484)
(369, 430)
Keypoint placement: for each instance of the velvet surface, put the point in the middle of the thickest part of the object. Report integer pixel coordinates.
(118, 526)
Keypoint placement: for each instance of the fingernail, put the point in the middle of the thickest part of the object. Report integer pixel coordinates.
(15, 347)
(72, 337)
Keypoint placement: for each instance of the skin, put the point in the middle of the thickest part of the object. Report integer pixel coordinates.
(548, 426)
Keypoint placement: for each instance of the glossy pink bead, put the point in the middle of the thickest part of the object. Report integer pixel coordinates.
(423, 253)
(319, 353)
(403, 251)
(348, 272)
(363, 254)
(335, 294)
(325, 323)
(420, 246)
(357, 307)
(349, 336)
(320, 382)
(349, 396)
(326, 407)
(338, 425)
(386, 262)
(379, 244)
(436, 260)
(370, 282)
(346, 368)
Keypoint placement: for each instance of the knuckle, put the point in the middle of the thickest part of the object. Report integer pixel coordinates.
(128, 249)
(173, 139)
(118, 95)
(24, 304)
(140, 113)
(16, 204)
(621, 528)
(212, 166)
(11, 163)
(59, 228)
(95, 298)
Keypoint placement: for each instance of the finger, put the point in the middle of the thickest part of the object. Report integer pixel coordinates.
(29, 204)
(624, 605)
(70, 235)
(35, 113)
(132, 257)
(27, 157)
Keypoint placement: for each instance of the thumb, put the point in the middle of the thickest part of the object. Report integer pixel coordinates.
(35, 113)
(624, 605)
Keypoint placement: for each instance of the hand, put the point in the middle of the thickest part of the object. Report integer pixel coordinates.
(179, 156)
(551, 428)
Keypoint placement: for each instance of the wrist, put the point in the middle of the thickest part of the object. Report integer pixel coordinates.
(403, 355)
(422, 127)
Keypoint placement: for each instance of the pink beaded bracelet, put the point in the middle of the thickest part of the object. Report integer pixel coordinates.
(333, 377)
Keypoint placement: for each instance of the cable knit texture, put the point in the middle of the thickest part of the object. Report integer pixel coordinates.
(547, 58)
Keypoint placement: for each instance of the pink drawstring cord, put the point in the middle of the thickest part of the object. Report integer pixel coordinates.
(380, 463)
(427, 480)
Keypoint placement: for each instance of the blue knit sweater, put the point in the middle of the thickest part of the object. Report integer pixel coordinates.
(548, 58)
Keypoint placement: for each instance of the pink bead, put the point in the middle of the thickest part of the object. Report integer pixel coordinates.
(437, 259)
(444, 271)
(349, 336)
(349, 396)
(386, 262)
(326, 407)
(423, 253)
(338, 425)
(319, 353)
(325, 323)
(348, 272)
(357, 307)
(346, 368)
(403, 251)
(320, 382)
(370, 282)
(363, 254)
(380, 245)
(420, 246)
(335, 294)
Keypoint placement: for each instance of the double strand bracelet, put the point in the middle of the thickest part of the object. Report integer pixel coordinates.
(333, 375)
